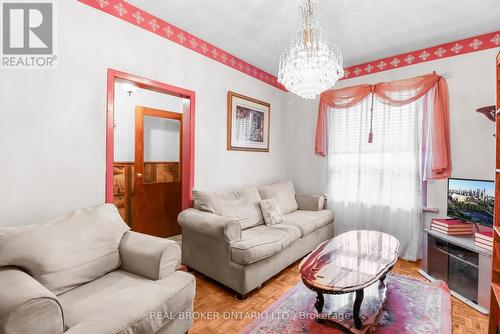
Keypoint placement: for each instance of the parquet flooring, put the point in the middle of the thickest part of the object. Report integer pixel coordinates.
(218, 310)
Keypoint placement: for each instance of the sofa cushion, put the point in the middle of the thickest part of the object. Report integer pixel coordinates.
(122, 302)
(284, 192)
(68, 251)
(242, 206)
(308, 221)
(262, 241)
(271, 211)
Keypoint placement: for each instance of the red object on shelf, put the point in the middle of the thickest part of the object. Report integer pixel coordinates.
(488, 235)
(450, 232)
(451, 222)
(484, 239)
(452, 229)
(451, 226)
(484, 246)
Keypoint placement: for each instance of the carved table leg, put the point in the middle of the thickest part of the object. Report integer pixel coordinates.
(382, 279)
(357, 306)
(320, 302)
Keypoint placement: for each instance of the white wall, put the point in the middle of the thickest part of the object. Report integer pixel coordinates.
(52, 128)
(472, 142)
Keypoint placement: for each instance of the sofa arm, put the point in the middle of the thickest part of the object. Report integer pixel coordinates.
(310, 202)
(148, 256)
(209, 224)
(26, 306)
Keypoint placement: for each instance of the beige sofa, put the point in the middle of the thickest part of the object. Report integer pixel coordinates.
(225, 238)
(87, 273)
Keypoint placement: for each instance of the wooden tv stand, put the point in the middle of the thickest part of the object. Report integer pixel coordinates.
(457, 261)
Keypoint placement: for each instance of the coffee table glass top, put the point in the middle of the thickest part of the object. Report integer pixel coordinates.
(350, 261)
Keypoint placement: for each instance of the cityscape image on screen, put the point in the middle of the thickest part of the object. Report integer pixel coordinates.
(471, 200)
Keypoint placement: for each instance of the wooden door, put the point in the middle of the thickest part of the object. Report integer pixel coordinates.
(157, 169)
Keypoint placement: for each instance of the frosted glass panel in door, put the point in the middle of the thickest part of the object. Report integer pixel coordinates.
(161, 139)
(161, 150)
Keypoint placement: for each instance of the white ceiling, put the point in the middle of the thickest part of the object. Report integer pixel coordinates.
(258, 30)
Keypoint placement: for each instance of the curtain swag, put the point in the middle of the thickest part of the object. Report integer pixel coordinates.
(436, 128)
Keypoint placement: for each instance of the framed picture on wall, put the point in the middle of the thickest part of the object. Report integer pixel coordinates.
(248, 123)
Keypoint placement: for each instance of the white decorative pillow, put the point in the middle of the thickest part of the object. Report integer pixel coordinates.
(271, 211)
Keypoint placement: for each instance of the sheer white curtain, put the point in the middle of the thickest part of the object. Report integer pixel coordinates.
(378, 185)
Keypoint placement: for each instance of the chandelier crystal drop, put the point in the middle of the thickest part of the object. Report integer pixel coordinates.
(311, 64)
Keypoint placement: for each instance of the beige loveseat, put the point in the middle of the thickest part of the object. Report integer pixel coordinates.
(225, 238)
(86, 273)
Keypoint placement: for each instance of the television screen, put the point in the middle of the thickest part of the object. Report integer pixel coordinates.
(471, 200)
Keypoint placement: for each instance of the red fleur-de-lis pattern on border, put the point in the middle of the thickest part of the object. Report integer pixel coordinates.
(103, 3)
(409, 59)
(154, 25)
(496, 39)
(137, 16)
(457, 48)
(119, 8)
(424, 55)
(194, 43)
(395, 62)
(472, 44)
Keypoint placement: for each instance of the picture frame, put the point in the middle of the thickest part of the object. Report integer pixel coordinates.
(248, 123)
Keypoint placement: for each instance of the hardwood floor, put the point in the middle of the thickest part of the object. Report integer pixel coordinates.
(214, 303)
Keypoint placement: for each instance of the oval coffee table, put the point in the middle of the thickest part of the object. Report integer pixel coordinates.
(351, 263)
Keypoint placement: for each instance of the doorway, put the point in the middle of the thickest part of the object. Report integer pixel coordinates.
(149, 156)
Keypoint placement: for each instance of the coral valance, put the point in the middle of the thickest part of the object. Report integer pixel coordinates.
(436, 151)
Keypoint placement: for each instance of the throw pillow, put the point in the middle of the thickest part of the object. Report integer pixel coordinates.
(271, 211)
(284, 192)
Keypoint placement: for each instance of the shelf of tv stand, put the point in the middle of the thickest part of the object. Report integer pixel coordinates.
(465, 241)
(459, 262)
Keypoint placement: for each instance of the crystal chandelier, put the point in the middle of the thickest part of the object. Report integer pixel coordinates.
(311, 64)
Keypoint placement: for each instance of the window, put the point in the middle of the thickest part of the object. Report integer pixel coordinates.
(377, 185)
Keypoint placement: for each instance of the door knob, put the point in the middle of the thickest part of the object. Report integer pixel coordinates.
(139, 175)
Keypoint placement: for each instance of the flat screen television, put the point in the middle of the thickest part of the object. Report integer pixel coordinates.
(471, 200)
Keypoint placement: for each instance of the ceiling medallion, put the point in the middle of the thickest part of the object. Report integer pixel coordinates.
(311, 64)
